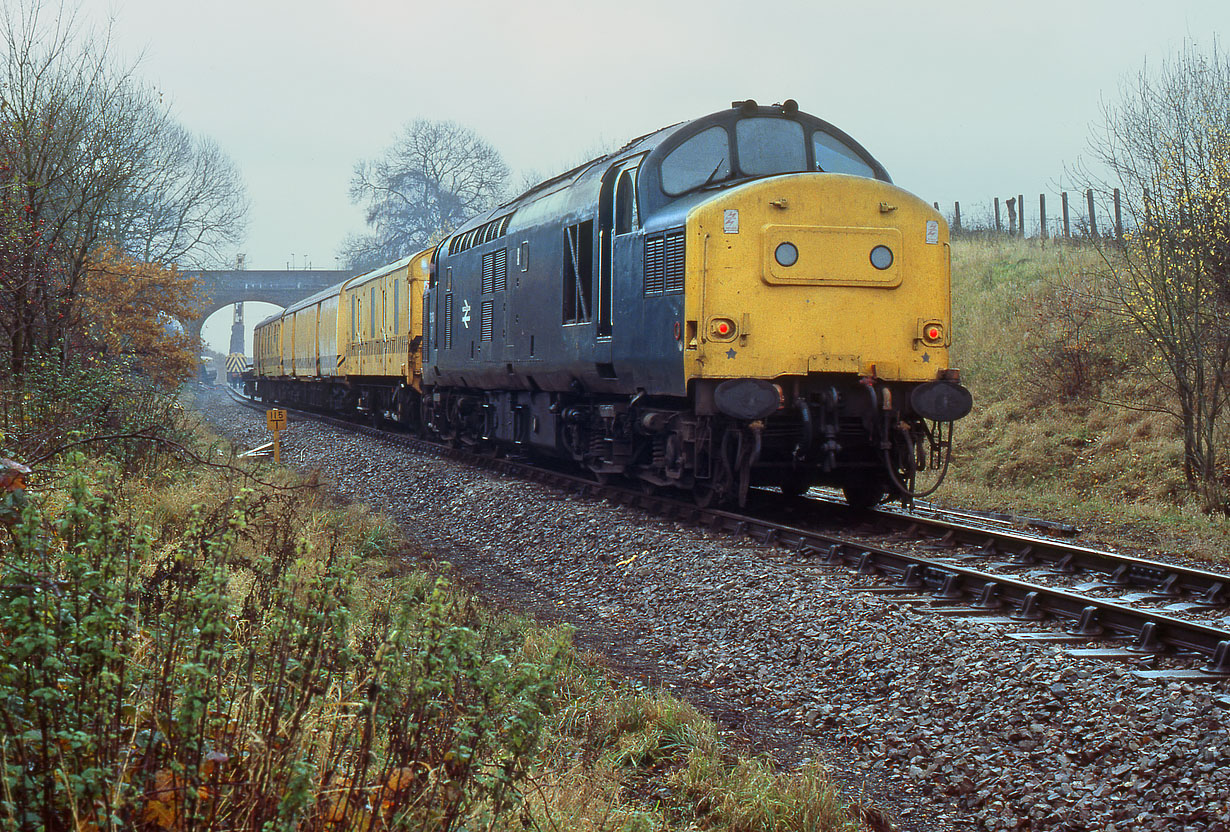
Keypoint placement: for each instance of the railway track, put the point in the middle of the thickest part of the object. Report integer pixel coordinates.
(1065, 610)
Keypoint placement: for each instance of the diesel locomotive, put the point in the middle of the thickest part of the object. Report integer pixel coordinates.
(740, 299)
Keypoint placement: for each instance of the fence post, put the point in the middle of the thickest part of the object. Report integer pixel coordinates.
(1042, 214)
(956, 216)
(1093, 217)
(1118, 217)
(998, 227)
(1011, 203)
(1020, 207)
(1067, 228)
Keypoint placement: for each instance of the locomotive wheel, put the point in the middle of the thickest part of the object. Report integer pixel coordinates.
(863, 495)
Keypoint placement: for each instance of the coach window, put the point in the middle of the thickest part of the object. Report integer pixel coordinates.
(832, 156)
(702, 159)
(770, 145)
(396, 306)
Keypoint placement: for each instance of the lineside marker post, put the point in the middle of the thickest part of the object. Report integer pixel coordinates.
(276, 419)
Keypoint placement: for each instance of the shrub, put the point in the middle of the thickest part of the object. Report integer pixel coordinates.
(59, 405)
(227, 678)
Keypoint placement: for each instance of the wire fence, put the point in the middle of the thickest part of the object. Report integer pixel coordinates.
(1079, 218)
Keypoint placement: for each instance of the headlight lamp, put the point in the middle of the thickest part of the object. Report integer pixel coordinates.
(786, 254)
(881, 257)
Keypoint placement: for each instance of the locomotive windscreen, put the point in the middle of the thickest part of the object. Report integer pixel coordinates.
(764, 145)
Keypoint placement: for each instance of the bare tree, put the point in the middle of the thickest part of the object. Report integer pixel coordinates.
(1166, 145)
(435, 176)
(188, 207)
(88, 155)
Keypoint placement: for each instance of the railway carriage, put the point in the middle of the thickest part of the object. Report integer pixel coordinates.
(353, 346)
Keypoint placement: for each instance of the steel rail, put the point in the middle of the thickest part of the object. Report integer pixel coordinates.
(1165, 580)
(1094, 618)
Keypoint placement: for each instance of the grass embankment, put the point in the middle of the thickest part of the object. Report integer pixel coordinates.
(191, 647)
(1065, 421)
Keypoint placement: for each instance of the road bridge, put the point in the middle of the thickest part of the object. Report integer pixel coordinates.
(283, 287)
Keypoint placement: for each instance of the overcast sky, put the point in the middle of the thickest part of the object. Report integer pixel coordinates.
(959, 100)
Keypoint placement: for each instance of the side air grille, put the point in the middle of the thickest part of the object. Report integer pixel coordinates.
(674, 263)
(499, 270)
(664, 264)
(654, 273)
(487, 318)
(495, 271)
(448, 321)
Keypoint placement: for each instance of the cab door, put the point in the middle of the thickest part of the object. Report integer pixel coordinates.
(617, 220)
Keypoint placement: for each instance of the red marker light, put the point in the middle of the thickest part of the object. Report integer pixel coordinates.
(723, 328)
(933, 333)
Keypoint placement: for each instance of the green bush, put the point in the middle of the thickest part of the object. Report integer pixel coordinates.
(57, 405)
(228, 680)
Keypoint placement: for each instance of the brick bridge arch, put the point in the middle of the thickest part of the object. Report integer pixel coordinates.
(282, 287)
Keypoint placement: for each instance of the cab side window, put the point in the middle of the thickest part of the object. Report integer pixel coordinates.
(625, 203)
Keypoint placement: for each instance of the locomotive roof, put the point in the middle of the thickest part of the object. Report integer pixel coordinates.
(564, 184)
(577, 189)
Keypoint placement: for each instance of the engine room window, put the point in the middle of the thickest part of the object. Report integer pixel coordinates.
(834, 157)
(770, 145)
(578, 272)
(702, 159)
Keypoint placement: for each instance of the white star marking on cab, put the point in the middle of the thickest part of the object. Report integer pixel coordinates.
(465, 317)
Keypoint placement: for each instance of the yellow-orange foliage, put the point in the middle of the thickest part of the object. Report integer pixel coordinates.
(128, 307)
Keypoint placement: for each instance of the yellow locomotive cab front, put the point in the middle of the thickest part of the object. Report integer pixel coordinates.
(817, 273)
